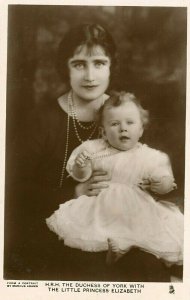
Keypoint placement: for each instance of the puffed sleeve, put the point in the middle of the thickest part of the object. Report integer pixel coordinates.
(159, 165)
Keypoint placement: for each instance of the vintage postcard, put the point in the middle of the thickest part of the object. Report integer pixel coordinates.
(94, 150)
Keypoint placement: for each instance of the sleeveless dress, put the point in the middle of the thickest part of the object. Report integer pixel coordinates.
(123, 211)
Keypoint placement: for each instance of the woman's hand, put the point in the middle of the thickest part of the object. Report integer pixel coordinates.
(158, 185)
(92, 187)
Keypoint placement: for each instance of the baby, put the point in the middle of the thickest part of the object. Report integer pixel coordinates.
(124, 215)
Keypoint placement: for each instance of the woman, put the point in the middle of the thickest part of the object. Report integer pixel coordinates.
(86, 61)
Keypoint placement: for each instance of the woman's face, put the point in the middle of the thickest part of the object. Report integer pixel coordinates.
(89, 72)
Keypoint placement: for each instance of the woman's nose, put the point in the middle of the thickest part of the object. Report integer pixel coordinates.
(89, 73)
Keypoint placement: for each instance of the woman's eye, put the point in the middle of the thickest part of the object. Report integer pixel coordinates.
(79, 66)
(99, 64)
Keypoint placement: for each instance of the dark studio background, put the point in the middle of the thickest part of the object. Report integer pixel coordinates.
(151, 43)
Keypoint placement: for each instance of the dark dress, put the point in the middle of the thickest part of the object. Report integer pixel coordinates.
(33, 192)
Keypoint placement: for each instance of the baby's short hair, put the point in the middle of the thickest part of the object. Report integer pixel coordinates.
(118, 98)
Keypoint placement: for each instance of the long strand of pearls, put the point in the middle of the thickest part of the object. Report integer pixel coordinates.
(70, 112)
(66, 148)
(73, 115)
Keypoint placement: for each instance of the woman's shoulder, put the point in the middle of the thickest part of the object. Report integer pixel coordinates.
(47, 114)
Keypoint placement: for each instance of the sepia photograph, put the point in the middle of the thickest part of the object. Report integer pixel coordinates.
(95, 143)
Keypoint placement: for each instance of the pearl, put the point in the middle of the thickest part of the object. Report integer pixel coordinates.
(105, 153)
(66, 149)
(71, 111)
(75, 120)
(74, 114)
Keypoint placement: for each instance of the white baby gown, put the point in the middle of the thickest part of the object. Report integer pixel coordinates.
(123, 211)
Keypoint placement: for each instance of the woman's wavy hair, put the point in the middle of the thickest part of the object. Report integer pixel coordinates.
(89, 35)
(119, 98)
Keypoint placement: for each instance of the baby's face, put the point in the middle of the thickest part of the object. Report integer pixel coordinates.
(122, 126)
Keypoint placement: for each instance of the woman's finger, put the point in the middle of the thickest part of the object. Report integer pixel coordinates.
(99, 173)
(99, 176)
(96, 179)
(94, 192)
(99, 185)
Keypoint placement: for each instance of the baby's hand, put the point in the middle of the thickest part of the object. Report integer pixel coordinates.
(162, 185)
(82, 159)
(158, 185)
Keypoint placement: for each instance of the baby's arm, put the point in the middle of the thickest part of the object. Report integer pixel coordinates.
(79, 164)
(159, 185)
(162, 185)
(92, 180)
(160, 179)
(82, 168)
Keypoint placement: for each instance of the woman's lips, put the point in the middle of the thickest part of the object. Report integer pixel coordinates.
(90, 87)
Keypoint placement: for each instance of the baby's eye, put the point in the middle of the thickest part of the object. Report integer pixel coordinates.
(130, 122)
(114, 123)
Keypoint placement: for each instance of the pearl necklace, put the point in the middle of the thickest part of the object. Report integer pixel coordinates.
(70, 112)
(66, 148)
(109, 151)
(74, 114)
(74, 119)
